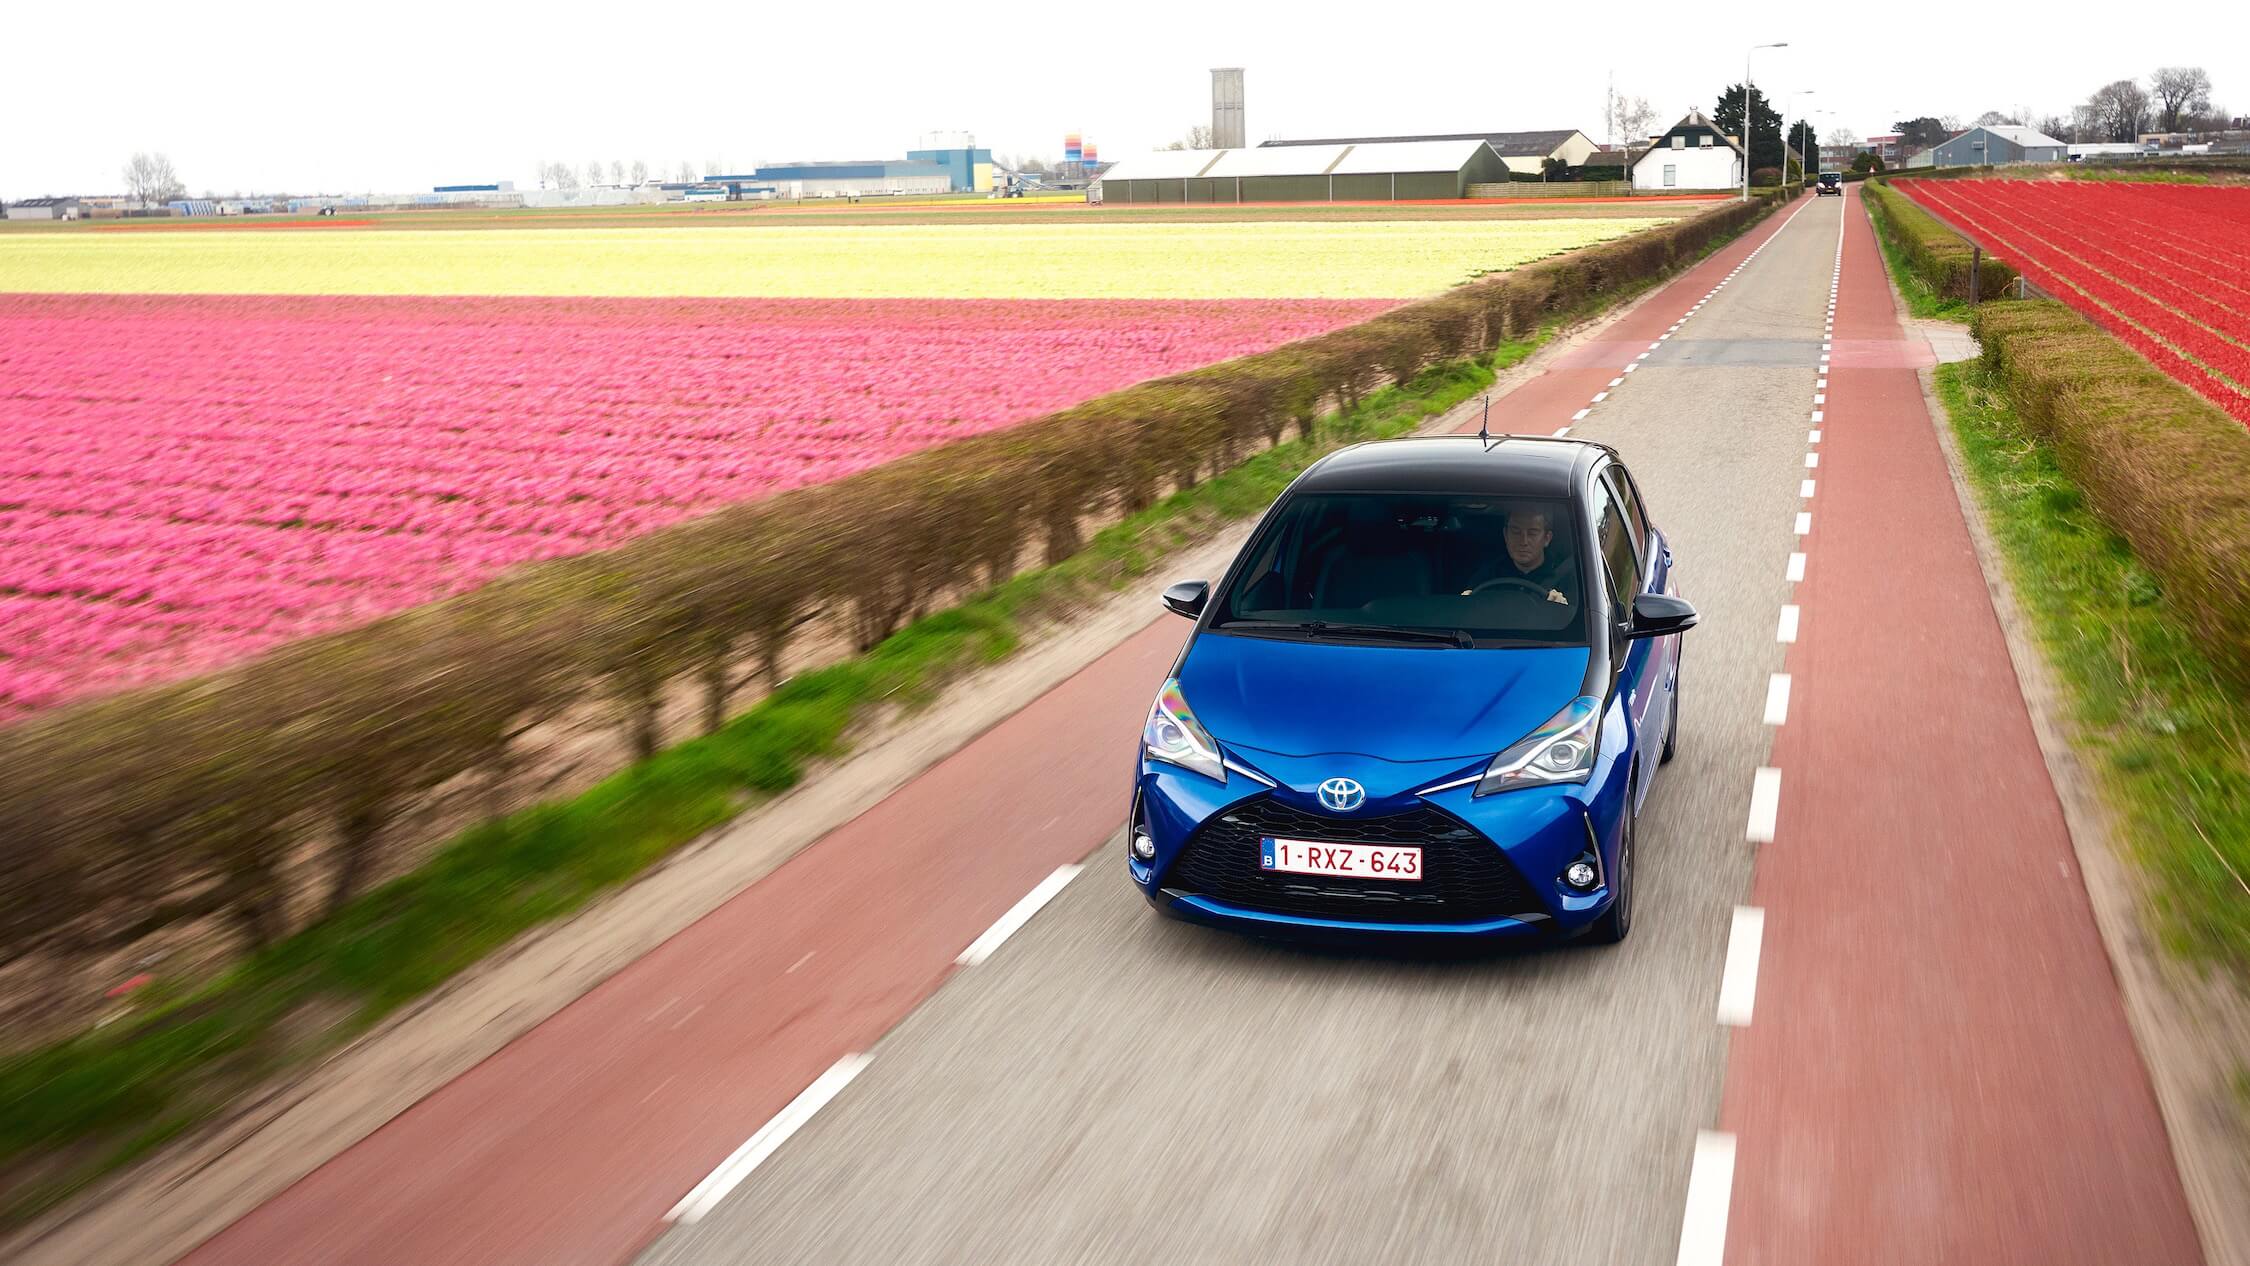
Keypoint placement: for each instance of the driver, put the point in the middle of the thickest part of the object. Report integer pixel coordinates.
(1531, 557)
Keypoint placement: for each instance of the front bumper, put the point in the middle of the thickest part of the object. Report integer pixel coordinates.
(1507, 855)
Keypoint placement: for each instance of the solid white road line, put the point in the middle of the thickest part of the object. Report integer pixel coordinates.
(1710, 1188)
(1765, 804)
(1019, 914)
(1777, 698)
(1786, 629)
(1796, 567)
(1738, 985)
(769, 1138)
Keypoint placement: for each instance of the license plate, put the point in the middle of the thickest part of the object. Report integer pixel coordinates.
(1359, 861)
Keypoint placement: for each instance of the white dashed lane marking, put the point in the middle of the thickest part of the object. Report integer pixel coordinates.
(1738, 982)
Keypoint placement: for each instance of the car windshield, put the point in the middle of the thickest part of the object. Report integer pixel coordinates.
(1424, 569)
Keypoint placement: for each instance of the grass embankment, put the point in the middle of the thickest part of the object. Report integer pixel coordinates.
(72, 1112)
(2156, 718)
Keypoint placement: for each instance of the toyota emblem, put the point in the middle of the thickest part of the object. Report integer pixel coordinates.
(1342, 794)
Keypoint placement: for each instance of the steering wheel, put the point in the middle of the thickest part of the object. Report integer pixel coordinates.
(1499, 582)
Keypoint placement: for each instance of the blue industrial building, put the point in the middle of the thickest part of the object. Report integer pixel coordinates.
(969, 169)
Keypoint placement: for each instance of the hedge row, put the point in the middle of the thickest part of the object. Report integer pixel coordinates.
(1937, 254)
(2169, 471)
(124, 815)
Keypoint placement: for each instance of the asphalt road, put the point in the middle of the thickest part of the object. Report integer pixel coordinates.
(1112, 1086)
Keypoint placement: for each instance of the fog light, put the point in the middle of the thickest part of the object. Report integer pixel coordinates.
(1144, 848)
(1579, 875)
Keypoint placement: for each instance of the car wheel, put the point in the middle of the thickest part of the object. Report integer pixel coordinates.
(1672, 722)
(1618, 919)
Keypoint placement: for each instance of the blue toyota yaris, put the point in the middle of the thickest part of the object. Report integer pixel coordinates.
(1427, 699)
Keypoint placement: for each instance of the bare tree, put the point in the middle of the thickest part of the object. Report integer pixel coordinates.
(561, 176)
(686, 174)
(1198, 137)
(594, 173)
(617, 171)
(2179, 90)
(150, 179)
(1951, 123)
(2118, 111)
(1842, 136)
(640, 172)
(1634, 115)
(1994, 118)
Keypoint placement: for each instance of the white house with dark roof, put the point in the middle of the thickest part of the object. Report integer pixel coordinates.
(1692, 154)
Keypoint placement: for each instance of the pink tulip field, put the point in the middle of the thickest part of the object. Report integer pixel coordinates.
(188, 479)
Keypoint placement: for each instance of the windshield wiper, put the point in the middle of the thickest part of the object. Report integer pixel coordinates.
(1318, 628)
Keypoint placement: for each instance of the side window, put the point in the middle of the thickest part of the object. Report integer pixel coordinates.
(1671, 175)
(1613, 536)
(1679, 142)
(1636, 516)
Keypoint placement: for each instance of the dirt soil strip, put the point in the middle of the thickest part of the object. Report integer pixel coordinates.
(1940, 1067)
(425, 1126)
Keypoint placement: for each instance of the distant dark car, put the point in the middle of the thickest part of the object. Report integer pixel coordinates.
(1831, 182)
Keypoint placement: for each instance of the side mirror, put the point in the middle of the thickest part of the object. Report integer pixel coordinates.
(1656, 614)
(1187, 597)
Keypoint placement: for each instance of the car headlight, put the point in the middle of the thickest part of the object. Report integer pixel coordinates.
(1560, 751)
(1173, 735)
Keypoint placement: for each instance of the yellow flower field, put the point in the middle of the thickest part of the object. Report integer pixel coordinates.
(1270, 260)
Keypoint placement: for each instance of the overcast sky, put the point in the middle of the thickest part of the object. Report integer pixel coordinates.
(400, 95)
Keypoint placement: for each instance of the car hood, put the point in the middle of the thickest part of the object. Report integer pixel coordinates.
(1392, 703)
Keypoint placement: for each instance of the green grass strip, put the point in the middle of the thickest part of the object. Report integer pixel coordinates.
(76, 1110)
(2167, 740)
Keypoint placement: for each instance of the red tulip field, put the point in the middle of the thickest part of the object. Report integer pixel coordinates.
(2164, 267)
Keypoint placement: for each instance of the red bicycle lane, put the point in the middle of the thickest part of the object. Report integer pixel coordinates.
(1939, 1067)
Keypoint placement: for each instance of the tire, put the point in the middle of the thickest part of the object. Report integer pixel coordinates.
(1672, 722)
(1617, 921)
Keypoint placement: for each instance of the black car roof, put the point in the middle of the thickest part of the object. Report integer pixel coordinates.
(1505, 465)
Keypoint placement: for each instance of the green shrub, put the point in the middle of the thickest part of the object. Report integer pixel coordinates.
(1937, 254)
(2165, 468)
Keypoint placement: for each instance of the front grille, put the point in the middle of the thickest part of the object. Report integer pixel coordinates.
(1466, 878)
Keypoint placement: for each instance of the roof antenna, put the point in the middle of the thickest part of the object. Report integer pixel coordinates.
(1484, 424)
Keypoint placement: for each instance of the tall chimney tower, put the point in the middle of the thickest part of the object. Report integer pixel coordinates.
(1226, 107)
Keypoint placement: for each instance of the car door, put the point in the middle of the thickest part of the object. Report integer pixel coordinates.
(1626, 572)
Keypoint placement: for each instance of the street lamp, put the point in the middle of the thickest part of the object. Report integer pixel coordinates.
(1747, 118)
